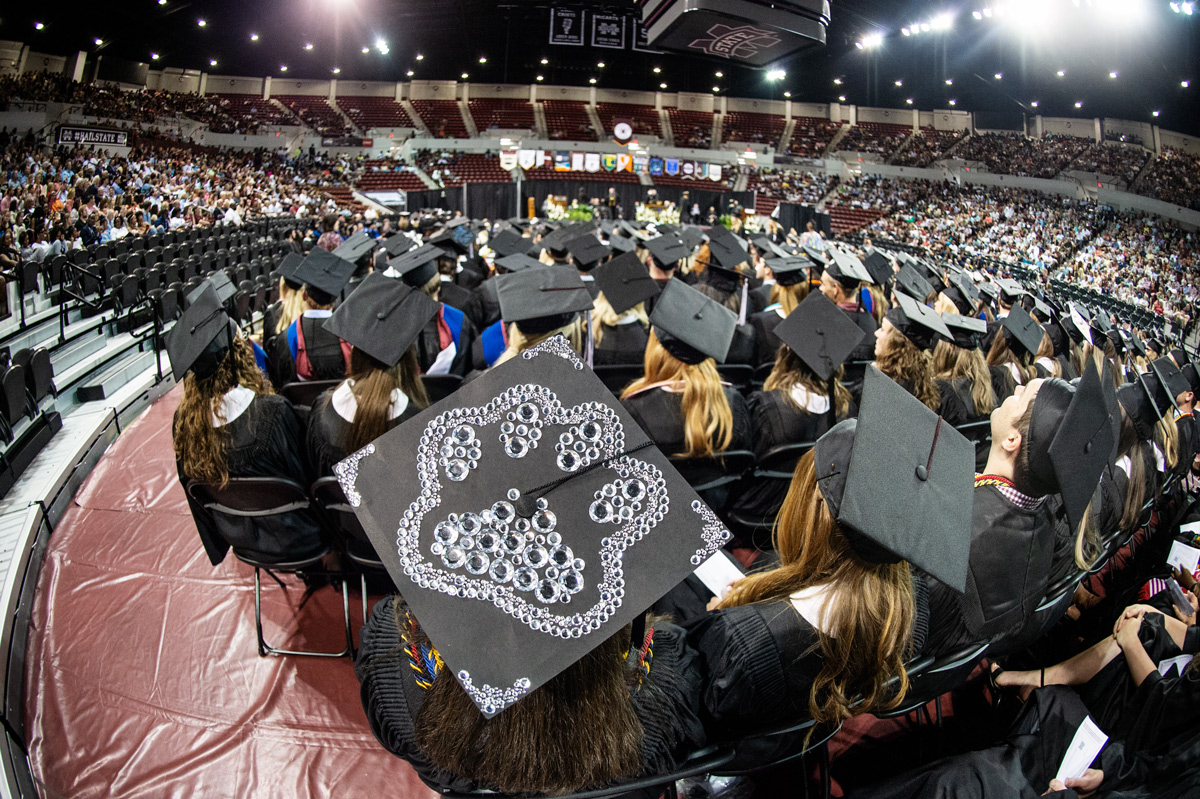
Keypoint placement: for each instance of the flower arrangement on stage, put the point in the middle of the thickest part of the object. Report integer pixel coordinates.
(667, 215)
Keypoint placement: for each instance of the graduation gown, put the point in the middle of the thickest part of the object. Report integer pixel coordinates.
(622, 344)
(429, 345)
(660, 414)
(324, 353)
(327, 429)
(484, 308)
(394, 660)
(264, 441)
(455, 296)
(958, 406)
(865, 351)
(473, 273)
(270, 320)
(742, 348)
(766, 343)
(1004, 385)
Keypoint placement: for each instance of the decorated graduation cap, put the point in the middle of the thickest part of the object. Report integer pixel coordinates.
(325, 272)
(625, 282)
(508, 242)
(846, 269)
(1023, 329)
(1171, 378)
(917, 322)
(541, 300)
(587, 252)
(518, 262)
(417, 267)
(667, 250)
(965, 331)
(535, 521)
(398, 244)
(1070, 441)
(898, 481)
(1077, 323)
(359, 244)
(201, 337)
(909, 281)
(691, 326)
(382, 318)
(820, 333)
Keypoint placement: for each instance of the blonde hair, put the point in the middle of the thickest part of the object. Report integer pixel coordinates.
(790, 371)
(1001, 354)
(291, 306)
(951, 362)
(707, 417)
(902, 360)
(788, 297)
(604, 316)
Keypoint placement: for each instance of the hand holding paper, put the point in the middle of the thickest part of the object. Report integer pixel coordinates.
(1086, 744)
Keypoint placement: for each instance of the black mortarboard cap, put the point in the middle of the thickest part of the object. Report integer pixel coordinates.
(1078, 324)
(621, 244)
(1145, 401)
(383, 317)
(667, 250)
(221, 285)
(325, 271)
(508, 242)
(1070, 439)
(556, 242)
(820, 333)
(911, 283)
(625, 282)
(792, 270)
(1171, 378)
(511, 555)
(917, 322)
(818, 256)
(1136, 342)
(1023, 329)
(726, 254)
(541, 300)
(398, 244)
(846, 269)
(768, 248)
(198, 341)
(587, 251)
(1044, 314)
(518, 262)
(692, 237)
(287, 267)
(899, 482)
(991, 290)
(417, 267)
(878, 266)
(359, 244)
(966, 331)
(1010, 290)
(690, 325)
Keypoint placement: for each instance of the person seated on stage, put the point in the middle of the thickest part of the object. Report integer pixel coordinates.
(879, 504)
(229, 424)
(280, 315)
(446, 341)
(505, 689)
(1010, 357)
(963, 380)
(306, 350)
(537, 304)
(902, 347)
(840, 283)
(796, 404)
(620, 324)
(381, 321)
(791, 284)
(680, 400)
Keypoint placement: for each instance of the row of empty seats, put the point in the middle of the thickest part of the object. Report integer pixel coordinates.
(443, 118)
(316, 113)
(691, 128)
(753, 128)
(644, 118)
(505, 114)
(567, 120)
(375, 112)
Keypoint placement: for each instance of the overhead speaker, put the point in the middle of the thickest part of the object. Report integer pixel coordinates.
(753, 33)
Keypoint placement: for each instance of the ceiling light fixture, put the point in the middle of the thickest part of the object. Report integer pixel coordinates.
(410, 73)
(716, 88)
(591, 80)
(1155, 113)
(337, 70)
(998, 76)
(657, 70)
(787, 94)
(909, 101)
(254, 37)
(600, 65)
(482, 59)
(1079, 104)
(212, 62)
(420, 57)
(837, 81)
(283, 67)
(99, 41)
(1113, 74)
(662, 85)
(1061, 73)
(1034, 104)
(953, 102)
(949, 81)
(37, 26)
(201, 23)
(899, 83)
(720, 74)
(776, 74)
(540, 78)
(154, 56)
(1183, 83)
(465, 76)
(366, 50)
(841, 98)
(308, 45)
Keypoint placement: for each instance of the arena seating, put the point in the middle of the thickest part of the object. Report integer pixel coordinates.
(644, 118)
(375, 112)
(811, 136)
(874, 137)
(568, 120)
(316, 113)
(475, 168)
(442, 117)
(780, 185)
(845, 219)
(1121, 161)
(389, 180)
(1174, 177)
(503, 114)
(549, 173)
(691, 128)
(247, 108)
(1016, 154)
(741, 126)
(927, 147)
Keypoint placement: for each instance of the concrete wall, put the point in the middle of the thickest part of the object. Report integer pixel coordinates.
(498, 91)
(24, 121)
(571, 93)
(815, 110)
(366, 88)
(1142, 130)
(773, 107)
(890, 116)
(229, 84)
(1134, 202)
(688, 101)
(1046, 186)
(10, 57)
(1065, 126)
(948, 119)
(308, 88)
(622, 96)
(1180, 141)
(433, 90)
(903, 172)
(175, 80)
(42, 62)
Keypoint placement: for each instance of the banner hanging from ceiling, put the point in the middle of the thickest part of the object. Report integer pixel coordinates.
(566, 26)
(572, 161)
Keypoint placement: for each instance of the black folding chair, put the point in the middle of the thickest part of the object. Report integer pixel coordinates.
(357, 548)
(260, 497)
(304, 393)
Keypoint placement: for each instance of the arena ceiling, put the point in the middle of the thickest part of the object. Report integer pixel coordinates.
(1118, 58)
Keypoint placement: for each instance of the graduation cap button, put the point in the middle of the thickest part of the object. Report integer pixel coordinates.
(922, 472)
(381, 316)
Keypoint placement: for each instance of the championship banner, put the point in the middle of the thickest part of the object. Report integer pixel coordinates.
(624, 162)
(609, 161)
(562, 161)
(508, 160)
(577, 162)
(672, 166)
(608, 30)
(714, 171)
(566, 26)
(641, 41)
(656, 165)
(77, 135)
(591, 162)
(641, 164)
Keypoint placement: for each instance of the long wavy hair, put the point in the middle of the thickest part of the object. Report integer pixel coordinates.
(910, 366)
(788, 297)
(200, 447)
(707, 417)
(603, 317)
(868, 611)
(291, 305)
(1001, 354)
(372, 389)
(528, 748)
(790, 371)
(951, 362)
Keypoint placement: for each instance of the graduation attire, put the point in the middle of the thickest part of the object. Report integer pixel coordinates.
(327, 429)
(306, 346)
(623, 343)
(660, 414)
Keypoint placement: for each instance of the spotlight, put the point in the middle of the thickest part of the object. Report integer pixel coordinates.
(1183, 83)
(942, 22)
(998, 75)
(420, 57)
(977, 14)
(410, 73)
(254, 37)
(787, 94)
(872, 40)
(545, 60)
(909, 101)
(283, 67)
(600, 65)
(1034, 104)
(590, 80)
(308, 46)
(37, 26)
(201, 23)
(841, 98)
(154, 56)
(98, 41)
(1155, 113)
(949, 81)
(482, 59)
(366, 50)
(662, 85)
(716, 88)
(905, 32)
(776, 74)
(162, 2)
(953, 102)
(899, 83)
(1061, 73)
(337, 70)
(465, 76)
(212, 62)
(720, 74)
(1113, 74)
(657, 70)
(540, 78)
(837, 81)
(1079, 104)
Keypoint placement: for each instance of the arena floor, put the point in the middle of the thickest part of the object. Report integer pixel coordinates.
(143, 678)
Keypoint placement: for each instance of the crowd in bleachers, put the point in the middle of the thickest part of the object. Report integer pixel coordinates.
(1015, 154)
(811, 136)
(792, 186)
(1174, 178)
(869, 137)
(1121, 161)
(928, 146)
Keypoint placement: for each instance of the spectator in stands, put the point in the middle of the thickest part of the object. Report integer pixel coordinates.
(330, 239)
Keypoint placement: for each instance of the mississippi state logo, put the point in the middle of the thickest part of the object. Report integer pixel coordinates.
(744, 41)
(622, 131)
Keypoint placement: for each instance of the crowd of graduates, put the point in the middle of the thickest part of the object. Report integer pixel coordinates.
(916, 456)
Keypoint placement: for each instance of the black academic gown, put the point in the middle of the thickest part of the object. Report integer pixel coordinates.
(484, 308)
(760, 296)
(429, 346)
(958, 406)
(327, 430)
(264, 441)
(270, 320)
(456, 296)
(623, 344)
(742, 348)
(666, 701)
(1004, 385)
(865, 351)
(324, 353)
(766, 343)
(473, 272)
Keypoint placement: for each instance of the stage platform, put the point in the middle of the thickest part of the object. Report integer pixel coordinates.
(142, 674)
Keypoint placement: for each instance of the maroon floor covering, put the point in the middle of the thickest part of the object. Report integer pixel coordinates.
(143, 678)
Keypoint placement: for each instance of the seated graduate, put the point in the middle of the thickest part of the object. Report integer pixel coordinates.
(680, 400)
(540, 303)
(791, 285)
(484, 308)
(794, 405)
(512, 660)
(280, 314)
(1014, 544)
(306, 350)
(840, 283)
(445, 343)
(460, 265)
(359, 250)
(381, 321)
(229, 424)
(902, 347)
(963, 380)
(879, 502)
(1010, 356)
(620, 324)
(586, 254)
(662, 256)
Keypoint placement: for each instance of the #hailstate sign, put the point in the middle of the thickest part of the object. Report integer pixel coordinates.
(74, 135)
